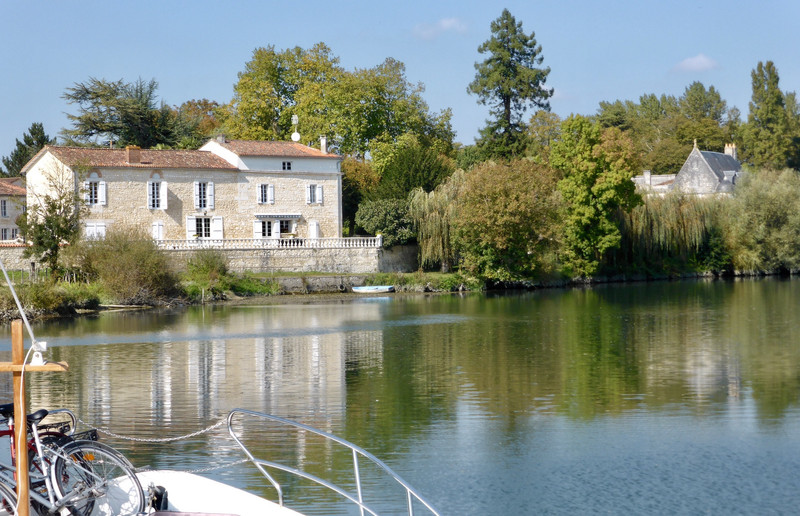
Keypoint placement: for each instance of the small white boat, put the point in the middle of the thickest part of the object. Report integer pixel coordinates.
(374, 289)
(190, 494)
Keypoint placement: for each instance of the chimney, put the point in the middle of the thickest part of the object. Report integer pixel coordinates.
(730, 150)
(133, 154)
(647, 178)
(220, 138)
(323, 144)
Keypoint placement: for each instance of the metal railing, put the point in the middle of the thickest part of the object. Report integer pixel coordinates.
(273, 243)
(357, 498)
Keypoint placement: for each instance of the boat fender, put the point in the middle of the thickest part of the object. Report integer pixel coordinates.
(158, 498)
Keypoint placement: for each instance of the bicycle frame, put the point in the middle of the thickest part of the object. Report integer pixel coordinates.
(8, 472)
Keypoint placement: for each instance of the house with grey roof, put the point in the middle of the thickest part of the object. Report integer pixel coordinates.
(703, 173)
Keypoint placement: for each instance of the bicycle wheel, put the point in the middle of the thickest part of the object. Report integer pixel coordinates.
(90, 479)
(8, 501)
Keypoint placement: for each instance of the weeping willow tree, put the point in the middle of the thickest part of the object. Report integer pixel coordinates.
(433, 213)
(673, 232)
(762, 222)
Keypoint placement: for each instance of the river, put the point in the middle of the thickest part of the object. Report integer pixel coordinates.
(657, 398)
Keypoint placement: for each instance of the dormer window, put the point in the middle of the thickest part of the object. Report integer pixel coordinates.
(287, 165)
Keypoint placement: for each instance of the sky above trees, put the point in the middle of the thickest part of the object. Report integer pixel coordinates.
(597, 51)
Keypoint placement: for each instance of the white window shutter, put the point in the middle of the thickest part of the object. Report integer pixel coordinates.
(294, 227)
(163, 193)
(197, 195)
(191, 227)
(271, 194)
(276, 229)
(313, 229)
(101, 230)
(158, 230)
(308, 194)
(101, 194)
(86, 191)
(256, 229)
(149, 194)
(210, 194)
(319, 194)
(216, 228)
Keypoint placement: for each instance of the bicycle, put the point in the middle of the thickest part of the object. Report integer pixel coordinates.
(82, 477)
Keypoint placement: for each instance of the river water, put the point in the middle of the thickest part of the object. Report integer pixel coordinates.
(659, 398)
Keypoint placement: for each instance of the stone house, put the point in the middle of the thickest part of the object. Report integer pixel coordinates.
(12, 204)
(226, 190)
(703, 173)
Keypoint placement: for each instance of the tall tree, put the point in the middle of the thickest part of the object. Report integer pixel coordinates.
(354, 109)
(31, 143)
(767, 136)
(509, 80)
(598, 166)
(124, 114)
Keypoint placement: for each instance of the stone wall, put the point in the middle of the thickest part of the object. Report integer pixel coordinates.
(343, 261)
(11, 254)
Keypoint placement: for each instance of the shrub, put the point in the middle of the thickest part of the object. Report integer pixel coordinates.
(389, 218)
(128, 266)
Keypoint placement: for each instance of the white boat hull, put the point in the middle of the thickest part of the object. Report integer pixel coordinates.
(191, 493)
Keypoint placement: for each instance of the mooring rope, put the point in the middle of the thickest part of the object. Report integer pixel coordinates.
(152, 439)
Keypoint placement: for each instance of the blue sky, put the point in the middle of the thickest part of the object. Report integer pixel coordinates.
(596, 50)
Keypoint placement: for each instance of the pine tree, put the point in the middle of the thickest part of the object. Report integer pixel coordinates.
(509, 80)
(31, 143)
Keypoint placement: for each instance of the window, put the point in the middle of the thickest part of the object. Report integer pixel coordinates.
(313, 194)
(286, 165)
(203, 195)
(14, 233)
(203, 227)
(4, 209)
(286, 226)
(4, 234)
(91, 193)
(94, 191)
(262, 229)
(94, 230)
(157, 194)
(266, 194)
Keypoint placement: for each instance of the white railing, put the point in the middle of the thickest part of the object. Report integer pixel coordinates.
(361, 457)
(273, 243)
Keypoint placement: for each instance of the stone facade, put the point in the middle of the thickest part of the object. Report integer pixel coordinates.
(12, 205)
(703, 173)
(226, 190)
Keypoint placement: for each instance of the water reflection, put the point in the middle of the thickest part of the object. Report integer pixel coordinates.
(482, 391)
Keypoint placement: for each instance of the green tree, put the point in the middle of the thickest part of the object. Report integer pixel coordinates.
(389, 218)
(767, 136)
(597, 166)
(407, 165)
(434, 214)
(352, 108)
(31, 143)
(53, 219)
(509, 80)
(507, 224)
(124, 114)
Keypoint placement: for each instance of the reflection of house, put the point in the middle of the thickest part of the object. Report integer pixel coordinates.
(703, 173)
(229, 189)
(12, 204)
